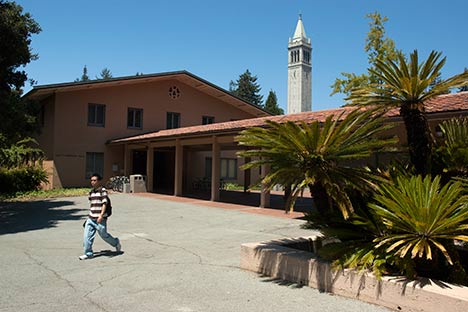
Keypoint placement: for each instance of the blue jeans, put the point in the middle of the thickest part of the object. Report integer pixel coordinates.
(91, 227)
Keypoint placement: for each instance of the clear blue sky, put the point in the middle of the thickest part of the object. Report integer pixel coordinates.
(218, 40)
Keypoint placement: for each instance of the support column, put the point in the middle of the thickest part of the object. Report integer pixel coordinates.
(149, 168)
(265, 194)
(179, 161)
(127, 160)
(247, 175)
(215, 170)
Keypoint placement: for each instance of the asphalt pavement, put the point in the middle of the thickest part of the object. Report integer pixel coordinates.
(176, 256)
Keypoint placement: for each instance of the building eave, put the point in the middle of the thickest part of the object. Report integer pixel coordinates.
(44, 91)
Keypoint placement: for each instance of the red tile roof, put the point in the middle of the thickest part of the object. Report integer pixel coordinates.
(444, 103)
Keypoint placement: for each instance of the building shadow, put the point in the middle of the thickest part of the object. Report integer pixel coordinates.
(16, 217)
(252, 198)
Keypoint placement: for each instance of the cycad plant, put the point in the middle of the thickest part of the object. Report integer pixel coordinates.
(422, 216)
(407, 85)
(353, 244)
(410, 228)
(318, 155)
(454, 151)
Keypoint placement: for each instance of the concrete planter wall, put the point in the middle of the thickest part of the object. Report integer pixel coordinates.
(275, 259)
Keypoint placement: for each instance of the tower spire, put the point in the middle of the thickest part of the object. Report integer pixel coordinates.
(299, 33)
(299, 70)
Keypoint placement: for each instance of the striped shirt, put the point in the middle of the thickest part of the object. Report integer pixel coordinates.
(97, 197)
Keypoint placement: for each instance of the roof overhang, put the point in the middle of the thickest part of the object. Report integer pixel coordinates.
(44, 91)
(434, 112)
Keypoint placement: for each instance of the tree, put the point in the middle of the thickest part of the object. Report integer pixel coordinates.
(17, 117)
(105, 74)
(271, 104)
(317, 156)
(405, 85)
(84, 76)
(378, 47)
(247, 88)
(464, 87)
(436, 81)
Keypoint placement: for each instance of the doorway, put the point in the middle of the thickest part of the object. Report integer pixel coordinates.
(164, 171)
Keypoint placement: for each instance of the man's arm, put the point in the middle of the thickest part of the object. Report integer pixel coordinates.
(104, 205)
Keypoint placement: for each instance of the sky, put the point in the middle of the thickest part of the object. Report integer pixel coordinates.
(219, 40)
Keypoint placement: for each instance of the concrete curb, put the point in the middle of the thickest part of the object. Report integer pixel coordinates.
(275, 259)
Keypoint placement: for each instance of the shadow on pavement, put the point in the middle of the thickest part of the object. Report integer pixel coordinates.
(107, 253)
(18, 217)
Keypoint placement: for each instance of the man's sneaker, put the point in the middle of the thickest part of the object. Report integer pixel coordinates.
(118, 247)
(84, 257)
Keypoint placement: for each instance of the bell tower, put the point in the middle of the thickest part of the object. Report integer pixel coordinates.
(299, 71)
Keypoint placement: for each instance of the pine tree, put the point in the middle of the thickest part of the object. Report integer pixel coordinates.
(105, 74)
(271, 104)
(84, 76)
(247, 88)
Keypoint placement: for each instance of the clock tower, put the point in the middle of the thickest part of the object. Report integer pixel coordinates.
(299, 71)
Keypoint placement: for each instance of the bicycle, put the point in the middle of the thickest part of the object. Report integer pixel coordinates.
(116, 183)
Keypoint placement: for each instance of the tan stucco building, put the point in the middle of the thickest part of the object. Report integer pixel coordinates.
(174, 128)
(79, 118)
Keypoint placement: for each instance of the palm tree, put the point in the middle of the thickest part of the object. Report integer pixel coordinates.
(407, 86)
(317, 155)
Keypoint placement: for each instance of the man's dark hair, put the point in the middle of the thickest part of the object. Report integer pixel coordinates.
(97, 176)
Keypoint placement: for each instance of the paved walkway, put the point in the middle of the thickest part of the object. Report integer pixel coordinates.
(178, 255)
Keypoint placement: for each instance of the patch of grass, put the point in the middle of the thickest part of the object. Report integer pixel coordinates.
(236, 187)
(43, 194)
(232, 186)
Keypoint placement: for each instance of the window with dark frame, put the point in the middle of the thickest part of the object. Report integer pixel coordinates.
(96, 115)
(135, 118)
(228, 168)
(94, 164)
(172, 120)
(206, 120)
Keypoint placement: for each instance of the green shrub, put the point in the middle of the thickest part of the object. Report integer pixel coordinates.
(410, 228)
(21, 179)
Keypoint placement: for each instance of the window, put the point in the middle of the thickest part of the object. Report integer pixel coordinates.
(173, 120)
(94, 164)
(228, 168)
(206, 120)
(135, 118)
(96, 115)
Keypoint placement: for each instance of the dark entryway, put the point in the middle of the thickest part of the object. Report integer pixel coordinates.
(139, 162)
(163, 174)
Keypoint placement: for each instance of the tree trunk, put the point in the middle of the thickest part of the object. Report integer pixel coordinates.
(419, 139)
(321, 198)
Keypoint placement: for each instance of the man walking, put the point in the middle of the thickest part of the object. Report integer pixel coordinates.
(97, 219)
